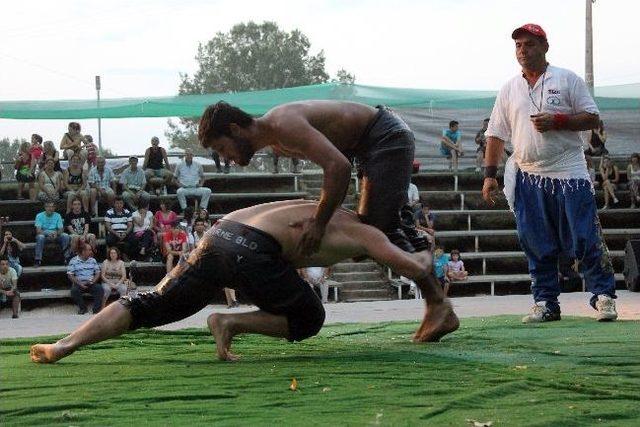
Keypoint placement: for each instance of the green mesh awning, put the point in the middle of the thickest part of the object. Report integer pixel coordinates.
(258, 102)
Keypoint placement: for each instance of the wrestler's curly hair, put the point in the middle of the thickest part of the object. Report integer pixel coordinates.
(216, 119)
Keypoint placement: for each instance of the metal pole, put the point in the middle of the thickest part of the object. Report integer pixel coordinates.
(588, 47)
(99, 121)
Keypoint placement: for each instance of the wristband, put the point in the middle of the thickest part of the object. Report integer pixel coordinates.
(560, 121)
(490, 171)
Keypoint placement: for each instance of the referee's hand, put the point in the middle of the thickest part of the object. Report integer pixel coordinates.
(489, 190)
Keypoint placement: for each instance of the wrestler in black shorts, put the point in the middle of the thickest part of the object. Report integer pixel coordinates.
(237, 256)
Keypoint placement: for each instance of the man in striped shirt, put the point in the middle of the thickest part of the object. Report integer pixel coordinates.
(119, 224)
(84, 272)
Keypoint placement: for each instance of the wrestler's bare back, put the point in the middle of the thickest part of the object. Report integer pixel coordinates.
(342, 239)
(342, 123)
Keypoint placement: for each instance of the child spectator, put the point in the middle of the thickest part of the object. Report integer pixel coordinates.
(76, 224)
(35, 150)
(175, 245)
(114, 275)
(455, 267)
(50, 183)
(92, 151)
(25, 174)
(440, 260)
(610, 178)
(450, 145)
(633, 177)
(10, 249)
(9, 287)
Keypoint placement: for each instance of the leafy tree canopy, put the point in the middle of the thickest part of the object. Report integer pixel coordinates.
(249, 57)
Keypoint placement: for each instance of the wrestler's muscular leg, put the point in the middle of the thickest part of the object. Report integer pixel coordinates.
(224, 327)
(111, 322)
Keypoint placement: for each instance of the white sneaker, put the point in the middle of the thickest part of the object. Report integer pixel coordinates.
(606, 307)
(540, 313)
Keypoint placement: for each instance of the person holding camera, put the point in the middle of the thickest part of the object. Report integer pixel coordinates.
(10, 249)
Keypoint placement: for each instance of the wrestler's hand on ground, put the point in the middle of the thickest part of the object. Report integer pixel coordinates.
(310, 237)
(489, 189)
(542, 122)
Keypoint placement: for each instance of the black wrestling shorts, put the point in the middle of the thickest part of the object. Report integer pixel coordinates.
(236, 256)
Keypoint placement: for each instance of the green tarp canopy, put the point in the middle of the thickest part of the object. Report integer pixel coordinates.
(622, 97)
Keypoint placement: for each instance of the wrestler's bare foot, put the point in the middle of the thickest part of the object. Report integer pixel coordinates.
(439, 320)
(47, 353)
(221, 331)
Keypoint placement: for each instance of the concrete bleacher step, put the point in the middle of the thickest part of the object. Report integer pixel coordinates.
(219, 203)
(479, 219)
(354, 276)
(376, 293)
(507, 240)
(364, 266)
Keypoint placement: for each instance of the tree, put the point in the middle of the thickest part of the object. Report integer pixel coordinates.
(8, 152)
(249, 57)
(344, 77)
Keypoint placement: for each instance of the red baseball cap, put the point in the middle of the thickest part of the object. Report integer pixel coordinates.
(533, 29)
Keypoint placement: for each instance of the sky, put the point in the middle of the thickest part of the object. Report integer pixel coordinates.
(53, 50)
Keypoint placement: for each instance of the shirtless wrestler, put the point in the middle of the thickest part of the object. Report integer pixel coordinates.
(254, 250)
(331, 134)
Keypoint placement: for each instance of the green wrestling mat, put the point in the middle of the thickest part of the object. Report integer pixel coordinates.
(493, 370)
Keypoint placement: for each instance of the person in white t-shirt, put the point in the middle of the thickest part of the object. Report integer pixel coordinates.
(142, 220)
(541, 111)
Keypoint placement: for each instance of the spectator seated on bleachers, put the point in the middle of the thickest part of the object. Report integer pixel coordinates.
(114, 275)
(440, 261)
(186, 223)
(50, 228)
(74, 183)
(92, 151)
(10, 249)
(35, 150)
(633, 178)
(71, 142)
(119, 225)
(142, 221)
(84, 272)
(198, 233)
(154, 158)
(175, 246)
(591, 169)
(50, 152)
(455, 268)
(9, 294)
(450, 144)
(163, 221)
(596, 142)
(102, 183)
(25, 174)
(76, 224)
(133, 181)
(610, 179)
(203, 214)
(50, 183)
(190, 179)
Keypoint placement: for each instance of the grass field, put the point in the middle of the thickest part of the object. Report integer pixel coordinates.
(571, 373)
